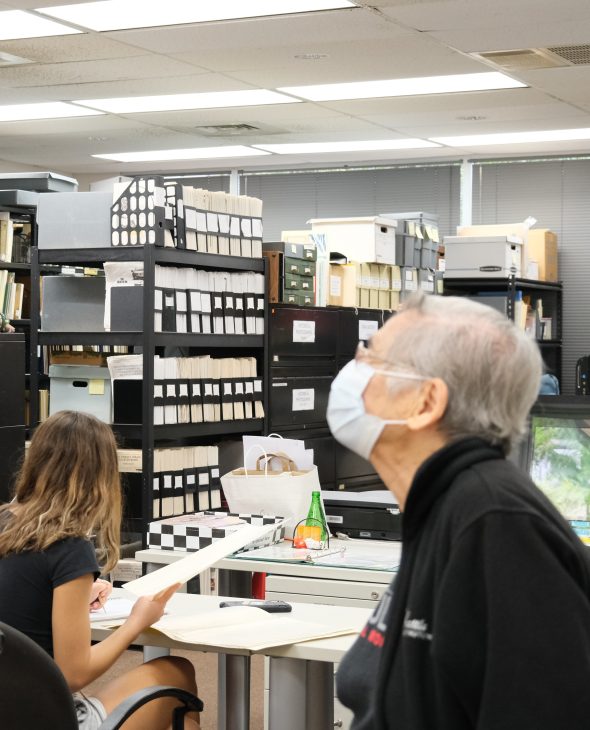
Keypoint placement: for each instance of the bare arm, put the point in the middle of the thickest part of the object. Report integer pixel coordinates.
(79, 661)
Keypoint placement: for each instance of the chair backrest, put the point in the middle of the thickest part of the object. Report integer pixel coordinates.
(33, 691)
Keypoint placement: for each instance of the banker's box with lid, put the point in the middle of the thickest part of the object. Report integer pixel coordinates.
(369, 239)
(83, 388)
(482, 256)
(189, 533)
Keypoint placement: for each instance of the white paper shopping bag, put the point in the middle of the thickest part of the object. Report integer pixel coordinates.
(285, 494)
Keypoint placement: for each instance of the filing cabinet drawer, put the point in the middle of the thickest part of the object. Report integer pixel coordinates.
(302, 333)
(321, 587)
(299, 401)
(357, 325)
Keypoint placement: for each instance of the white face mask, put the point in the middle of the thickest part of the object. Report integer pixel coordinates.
(348, 420)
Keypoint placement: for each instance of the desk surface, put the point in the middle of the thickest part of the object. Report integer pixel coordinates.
(354, 565)
(323, 650)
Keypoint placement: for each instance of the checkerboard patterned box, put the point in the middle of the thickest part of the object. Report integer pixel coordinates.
(178, 534)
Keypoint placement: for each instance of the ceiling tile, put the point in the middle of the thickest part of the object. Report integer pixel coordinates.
(571, 84)
(513, 36)
(343, 25)
(61, 49)
(481, 14)
(127, 87)
(115, 69)
(351, 61)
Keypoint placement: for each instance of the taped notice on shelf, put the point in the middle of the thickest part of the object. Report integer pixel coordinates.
(303, 399)
(367, 328)
(335, 286)
(303, 330)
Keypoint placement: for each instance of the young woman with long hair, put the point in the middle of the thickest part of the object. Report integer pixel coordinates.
(67, 493)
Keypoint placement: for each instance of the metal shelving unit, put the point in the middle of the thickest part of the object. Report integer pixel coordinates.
(147, 434)
(551, 293)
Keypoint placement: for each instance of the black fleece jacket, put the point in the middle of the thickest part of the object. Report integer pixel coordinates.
(488, 623)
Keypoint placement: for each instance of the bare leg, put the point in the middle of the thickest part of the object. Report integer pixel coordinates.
(156, 715)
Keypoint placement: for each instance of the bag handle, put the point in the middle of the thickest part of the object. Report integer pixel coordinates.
(287, 464)
(264, 455)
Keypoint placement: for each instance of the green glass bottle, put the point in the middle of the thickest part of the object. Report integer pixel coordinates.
(316, 518)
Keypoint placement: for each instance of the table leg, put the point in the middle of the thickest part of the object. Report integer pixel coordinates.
(233, 692)
(153, 652)
(301, 695)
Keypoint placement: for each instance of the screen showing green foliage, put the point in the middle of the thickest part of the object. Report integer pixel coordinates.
(560, 467)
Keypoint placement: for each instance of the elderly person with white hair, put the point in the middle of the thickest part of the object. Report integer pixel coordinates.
(487, 624)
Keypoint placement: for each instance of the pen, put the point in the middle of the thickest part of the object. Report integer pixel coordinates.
(99, 599)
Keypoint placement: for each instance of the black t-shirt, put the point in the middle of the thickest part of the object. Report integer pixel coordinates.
(27, 581)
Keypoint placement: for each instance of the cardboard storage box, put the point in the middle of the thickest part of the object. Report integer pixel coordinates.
(344, 282)
(482, 256)
(542, 245)
(39, 182)
(369, 239)
(74, 220)
(80, 388)
(73, 303)
(518, 230)
(190, 533)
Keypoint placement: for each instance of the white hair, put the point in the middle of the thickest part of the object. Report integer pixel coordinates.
(491, 368)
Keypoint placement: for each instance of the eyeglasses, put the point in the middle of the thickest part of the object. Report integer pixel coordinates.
(364, 354)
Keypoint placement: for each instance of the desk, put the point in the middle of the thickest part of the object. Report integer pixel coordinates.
(301, 689)
(346, 584)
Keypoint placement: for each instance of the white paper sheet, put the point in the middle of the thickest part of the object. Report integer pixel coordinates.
(114, 608)
(195, 563)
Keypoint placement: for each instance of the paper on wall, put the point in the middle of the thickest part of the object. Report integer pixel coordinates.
(183, 570)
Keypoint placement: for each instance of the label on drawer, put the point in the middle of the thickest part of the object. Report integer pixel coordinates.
(367, 328)
(335, 519)
(303, 399)
(303, 330)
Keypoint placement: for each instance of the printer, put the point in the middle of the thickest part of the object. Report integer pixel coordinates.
(372, 514)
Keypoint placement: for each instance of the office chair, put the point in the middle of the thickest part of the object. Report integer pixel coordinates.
(34, 693)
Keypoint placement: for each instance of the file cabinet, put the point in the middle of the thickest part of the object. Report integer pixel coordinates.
(12, 412)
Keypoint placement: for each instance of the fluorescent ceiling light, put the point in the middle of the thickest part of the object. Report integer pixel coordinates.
(45, 110)
(123, 14)
(477, 140)
(18, 24)
(178, 102)
(405, 87)
(195, 153)
(367, 146)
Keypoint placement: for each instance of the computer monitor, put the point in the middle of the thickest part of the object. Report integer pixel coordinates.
(558, 456)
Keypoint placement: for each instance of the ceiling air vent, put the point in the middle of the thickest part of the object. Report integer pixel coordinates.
(523, 59)
(227, 130)
(576, 55)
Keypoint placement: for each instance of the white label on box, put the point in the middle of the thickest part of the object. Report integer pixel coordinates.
(191, 218)
(201, 221)
(280, 385)
(428, 286)
(257, 227)
(411, 286)
(212, 223)
(367, 328)
(335, 286)
(303, 399)
(303, 330)
(396, 285)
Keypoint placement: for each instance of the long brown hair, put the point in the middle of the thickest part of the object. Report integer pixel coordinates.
(68, 486)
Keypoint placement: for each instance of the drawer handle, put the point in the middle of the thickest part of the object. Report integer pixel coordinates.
(374, 595)
(338, 723)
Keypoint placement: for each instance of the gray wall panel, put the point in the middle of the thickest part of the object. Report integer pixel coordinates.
(290, 200)
(557, 194)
